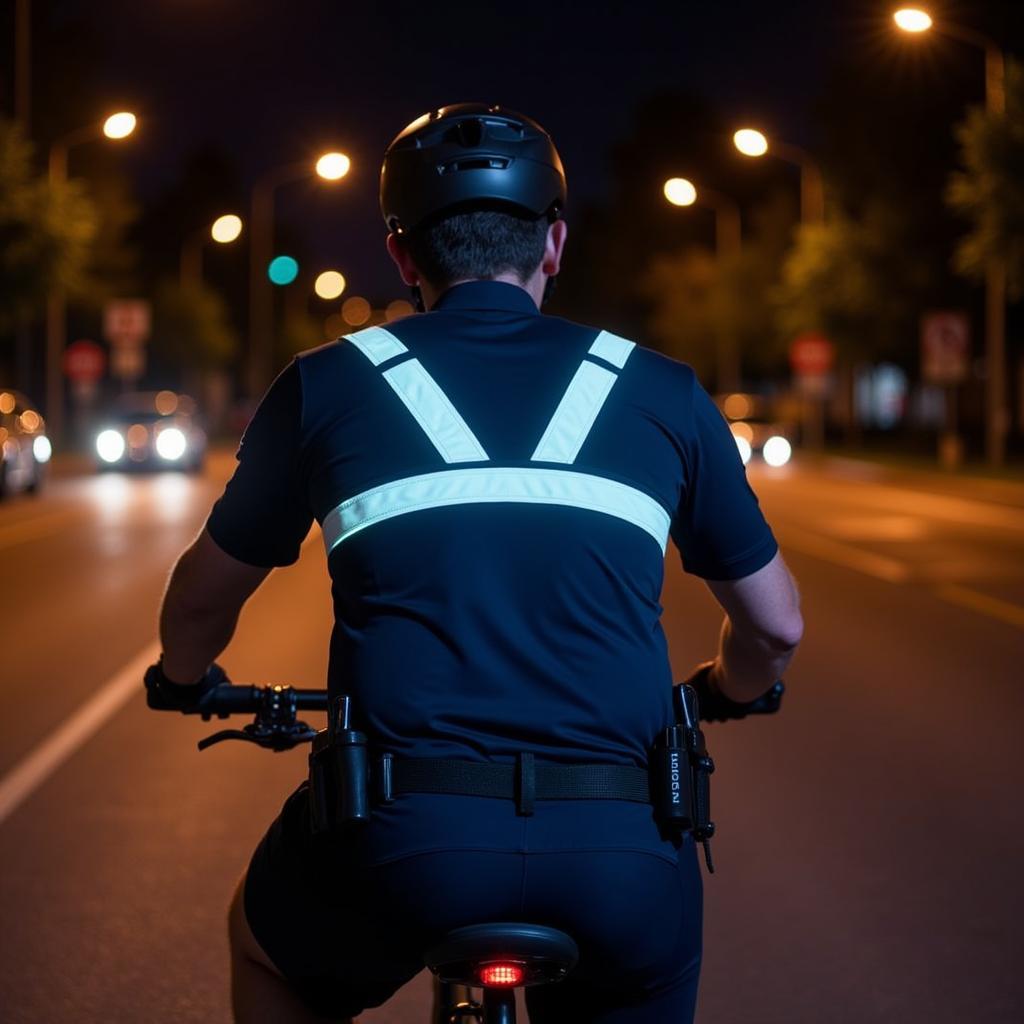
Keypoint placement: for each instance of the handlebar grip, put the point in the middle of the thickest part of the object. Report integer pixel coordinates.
(229, 699)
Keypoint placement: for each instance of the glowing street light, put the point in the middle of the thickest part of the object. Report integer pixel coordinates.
(333, 166)
(750, 142)
(680, 192)
(226, 228)
(329, 285)
(119, 125)
(912, 19)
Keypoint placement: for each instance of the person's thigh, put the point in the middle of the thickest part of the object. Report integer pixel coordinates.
(637, 920)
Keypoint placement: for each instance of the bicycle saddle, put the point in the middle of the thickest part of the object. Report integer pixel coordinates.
(507, 954)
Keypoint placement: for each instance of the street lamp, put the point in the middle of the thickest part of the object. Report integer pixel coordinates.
(330, 284)
(224, 230)
(728, 243)
(331, 166)
(916, 20)
(116, 126)
(750, 142)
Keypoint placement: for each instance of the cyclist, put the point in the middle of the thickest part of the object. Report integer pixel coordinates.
(495, 488)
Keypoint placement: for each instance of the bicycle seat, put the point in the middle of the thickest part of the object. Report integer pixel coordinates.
(503, 954)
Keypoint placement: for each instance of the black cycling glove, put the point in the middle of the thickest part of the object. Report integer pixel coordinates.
(163, 695)
(716, 707)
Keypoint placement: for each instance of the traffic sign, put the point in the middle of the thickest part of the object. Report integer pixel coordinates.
(84, 361)
(126, 322)
(128, 363)
(811, 355)
(945, 346)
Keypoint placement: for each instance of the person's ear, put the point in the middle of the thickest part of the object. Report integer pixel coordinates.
(398, 252)
(554, 247)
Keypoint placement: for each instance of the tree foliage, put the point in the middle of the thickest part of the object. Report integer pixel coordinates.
(191, 327)
(45, 231)
(989, 191)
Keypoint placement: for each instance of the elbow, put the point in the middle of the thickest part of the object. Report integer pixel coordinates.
(786, 637)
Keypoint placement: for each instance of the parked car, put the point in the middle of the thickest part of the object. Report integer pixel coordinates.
(152, 430)
(758, 432)
(24, 447)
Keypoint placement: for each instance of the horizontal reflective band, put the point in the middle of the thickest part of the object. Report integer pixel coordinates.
(486, 484)
(377, 344)
(439, 419)
(612, 348)
(575, 414)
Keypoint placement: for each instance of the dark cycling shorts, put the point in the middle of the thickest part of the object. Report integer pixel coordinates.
(346, 920)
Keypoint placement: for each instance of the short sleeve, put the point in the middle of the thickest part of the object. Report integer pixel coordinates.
(264, 514)
(718, 527)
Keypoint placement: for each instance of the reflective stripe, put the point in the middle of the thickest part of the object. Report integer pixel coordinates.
(575, 414)
(485, 484)
(377, 344)
(437, 416)
(612, 348)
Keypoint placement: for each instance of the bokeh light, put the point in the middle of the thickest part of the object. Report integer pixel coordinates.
(41, 448)
(750, 142)
(744, 446)
(119, 125)
(398, 308)
(7, 402)
(333, 166)
(776, 451)
(680, 192)
(356, 310)
(283, 270)
(166, 402)
(330, 284)
(226, 229)
(736, 406)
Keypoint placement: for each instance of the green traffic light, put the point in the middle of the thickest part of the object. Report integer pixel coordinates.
(283, 270)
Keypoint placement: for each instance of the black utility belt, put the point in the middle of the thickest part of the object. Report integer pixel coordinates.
(345, 781)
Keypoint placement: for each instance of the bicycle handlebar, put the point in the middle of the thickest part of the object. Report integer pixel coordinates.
(277, 728)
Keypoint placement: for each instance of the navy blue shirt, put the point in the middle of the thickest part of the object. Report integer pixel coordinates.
(476, 629)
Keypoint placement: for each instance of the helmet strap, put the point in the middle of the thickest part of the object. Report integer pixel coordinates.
(417, 299)
(549, 288)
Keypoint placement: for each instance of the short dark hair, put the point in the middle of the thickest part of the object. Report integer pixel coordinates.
(474, 244)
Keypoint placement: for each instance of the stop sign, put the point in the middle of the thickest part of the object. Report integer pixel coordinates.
(811, 355)
(84, 361)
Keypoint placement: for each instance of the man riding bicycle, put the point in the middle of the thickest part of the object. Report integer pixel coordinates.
(496, 489)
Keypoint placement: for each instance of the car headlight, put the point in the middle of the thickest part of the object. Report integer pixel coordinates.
(744, 446)
(110, 445)
(171, 444)
(41, 448)
(776, 451)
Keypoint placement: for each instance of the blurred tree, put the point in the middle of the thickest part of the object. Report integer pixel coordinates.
(191, 329)
(45, 232)
(989, 191)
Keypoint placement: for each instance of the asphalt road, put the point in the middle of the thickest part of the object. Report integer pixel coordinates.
(870, 838)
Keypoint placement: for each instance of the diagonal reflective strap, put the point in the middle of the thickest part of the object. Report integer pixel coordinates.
(437, 416)
(612, 348)
(529, 485)
(421, 395)
(582, 401)
(377, 344)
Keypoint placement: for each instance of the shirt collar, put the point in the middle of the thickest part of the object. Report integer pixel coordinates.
(488, 296)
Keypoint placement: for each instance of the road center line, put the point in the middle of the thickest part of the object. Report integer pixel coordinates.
(36, 767)
(993, 607)
(35, 528)
(834, 551)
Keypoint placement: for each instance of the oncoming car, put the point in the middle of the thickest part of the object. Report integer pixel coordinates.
(755, 430)
(152, 430)
(24, 447)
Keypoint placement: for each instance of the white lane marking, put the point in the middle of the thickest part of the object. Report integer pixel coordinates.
(36, 528)
(36, 767)
(849, 557)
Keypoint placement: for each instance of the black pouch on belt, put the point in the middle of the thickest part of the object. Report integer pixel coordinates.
(338, 774)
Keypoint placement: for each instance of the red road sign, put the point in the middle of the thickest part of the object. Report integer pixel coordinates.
(84, 361)
(945, 345)
(126, 322)
(811, 355)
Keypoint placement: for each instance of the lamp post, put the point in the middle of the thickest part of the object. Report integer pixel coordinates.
(224, 230)
(117, 126)
(916, 20)
(750, 142)
(728, 244)
(331, 167)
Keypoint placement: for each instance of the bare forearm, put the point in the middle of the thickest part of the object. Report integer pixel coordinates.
(749, 664)
(192, 638)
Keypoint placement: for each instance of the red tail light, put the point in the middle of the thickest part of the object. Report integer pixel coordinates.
(501, 975)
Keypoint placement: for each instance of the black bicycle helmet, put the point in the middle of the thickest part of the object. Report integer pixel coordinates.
(469, 153)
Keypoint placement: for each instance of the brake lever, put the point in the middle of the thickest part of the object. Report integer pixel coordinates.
(276, 739)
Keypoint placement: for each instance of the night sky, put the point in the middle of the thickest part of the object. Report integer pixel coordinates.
(276, 82)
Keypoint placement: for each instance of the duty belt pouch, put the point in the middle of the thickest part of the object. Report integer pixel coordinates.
(338, 774)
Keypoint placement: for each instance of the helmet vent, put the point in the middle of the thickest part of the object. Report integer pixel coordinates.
(475, 163)
(470, 132)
